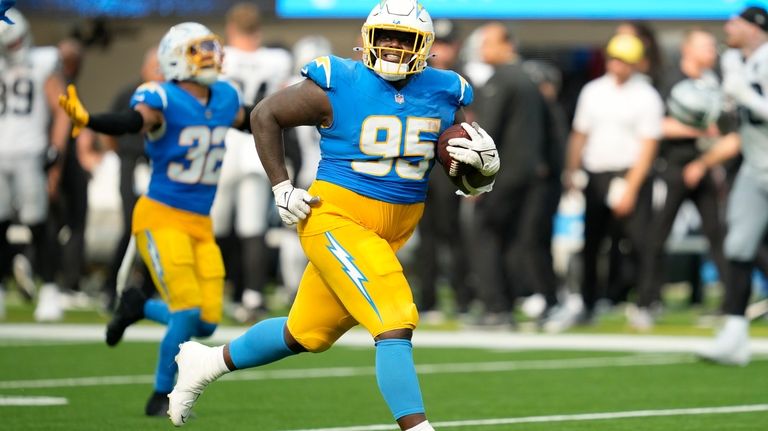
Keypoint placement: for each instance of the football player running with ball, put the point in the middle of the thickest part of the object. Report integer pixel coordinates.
(184, 121)
(379, 119)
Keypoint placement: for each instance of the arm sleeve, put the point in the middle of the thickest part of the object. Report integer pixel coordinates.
(117, 123)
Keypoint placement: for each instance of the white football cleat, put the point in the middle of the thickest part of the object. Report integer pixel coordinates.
(731, 345)
(199, 365)
(49, 307)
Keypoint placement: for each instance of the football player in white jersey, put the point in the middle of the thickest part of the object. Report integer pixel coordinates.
(745, 81)
(244, 190)
(30, 83)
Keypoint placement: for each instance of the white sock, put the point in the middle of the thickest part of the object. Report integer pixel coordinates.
(218, 365)
(736, 323)
(424, 426)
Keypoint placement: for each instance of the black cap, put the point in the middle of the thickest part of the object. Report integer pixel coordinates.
(757, 16)
(445, 31)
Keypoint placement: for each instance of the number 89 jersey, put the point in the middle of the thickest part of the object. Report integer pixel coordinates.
(24, 111)
(381, 143)
(187, 151)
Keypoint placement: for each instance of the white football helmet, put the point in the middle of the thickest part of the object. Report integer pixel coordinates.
(190, 52)
(406, 16)
(15, 40)
(696, 102)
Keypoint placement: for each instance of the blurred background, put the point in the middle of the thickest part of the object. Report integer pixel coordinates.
(561, 42)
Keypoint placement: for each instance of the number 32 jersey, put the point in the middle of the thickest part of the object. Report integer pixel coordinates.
(187, 151)
(381, 143)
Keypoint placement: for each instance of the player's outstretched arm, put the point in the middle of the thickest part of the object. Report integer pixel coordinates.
(301, 104)
(140, 119)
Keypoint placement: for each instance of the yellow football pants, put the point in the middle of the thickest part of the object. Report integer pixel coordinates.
(353, 275)
(183, 259)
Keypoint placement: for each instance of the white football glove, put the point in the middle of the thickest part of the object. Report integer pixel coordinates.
(293, 204)
(479, 152)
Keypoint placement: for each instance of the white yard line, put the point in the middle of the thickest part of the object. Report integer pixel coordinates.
(60, 333)
(32, 401)
(566, 418)
(335, 372)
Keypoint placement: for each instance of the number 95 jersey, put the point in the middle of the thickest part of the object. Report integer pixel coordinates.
(381, 143)
(186, 152)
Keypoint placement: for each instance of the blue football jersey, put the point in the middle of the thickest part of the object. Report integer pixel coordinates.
(186, 152)
(382, 140)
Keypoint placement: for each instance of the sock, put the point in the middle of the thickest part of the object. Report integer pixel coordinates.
(262, 344)
(157, 311)
(205, 329)
(738, 288)
(424, 426)
(736, 324)
(181, 327)
(396, 376)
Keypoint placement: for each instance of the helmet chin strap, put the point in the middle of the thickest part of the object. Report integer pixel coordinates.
(389, 70)
(206, 77)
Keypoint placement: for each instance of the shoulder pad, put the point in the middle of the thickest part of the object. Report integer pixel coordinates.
(325, 71)
(151, 94)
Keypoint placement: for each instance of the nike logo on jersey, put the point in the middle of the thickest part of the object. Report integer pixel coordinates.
(304, 71)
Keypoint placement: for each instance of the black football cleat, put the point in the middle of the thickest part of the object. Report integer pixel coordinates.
(157, 405)
(130, 309)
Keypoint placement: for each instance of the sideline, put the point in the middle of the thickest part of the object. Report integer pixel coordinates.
(58, 333)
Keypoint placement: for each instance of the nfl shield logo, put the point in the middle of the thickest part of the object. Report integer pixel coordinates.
(399, 99)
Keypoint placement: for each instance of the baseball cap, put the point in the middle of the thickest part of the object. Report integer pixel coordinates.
(757, 16)
(626, 48)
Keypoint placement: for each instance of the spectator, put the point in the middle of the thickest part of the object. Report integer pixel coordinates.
(514, 113)
(650, 65)
(744, 79)
(678, 149)
(440, 228)
(614, 139)
(25, 140)
(548, 187)
(69, 210)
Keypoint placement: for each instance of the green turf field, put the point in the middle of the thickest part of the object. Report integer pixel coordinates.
(105, 389)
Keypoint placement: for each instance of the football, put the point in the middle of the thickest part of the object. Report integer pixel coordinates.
(453, 168)
(458, 172)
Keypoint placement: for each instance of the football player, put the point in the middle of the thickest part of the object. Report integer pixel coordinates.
(379, 119)
(30, 82)
(745, 79)
(184, 120)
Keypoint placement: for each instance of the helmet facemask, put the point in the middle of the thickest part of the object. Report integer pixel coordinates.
(204, 57)
(392, 63)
